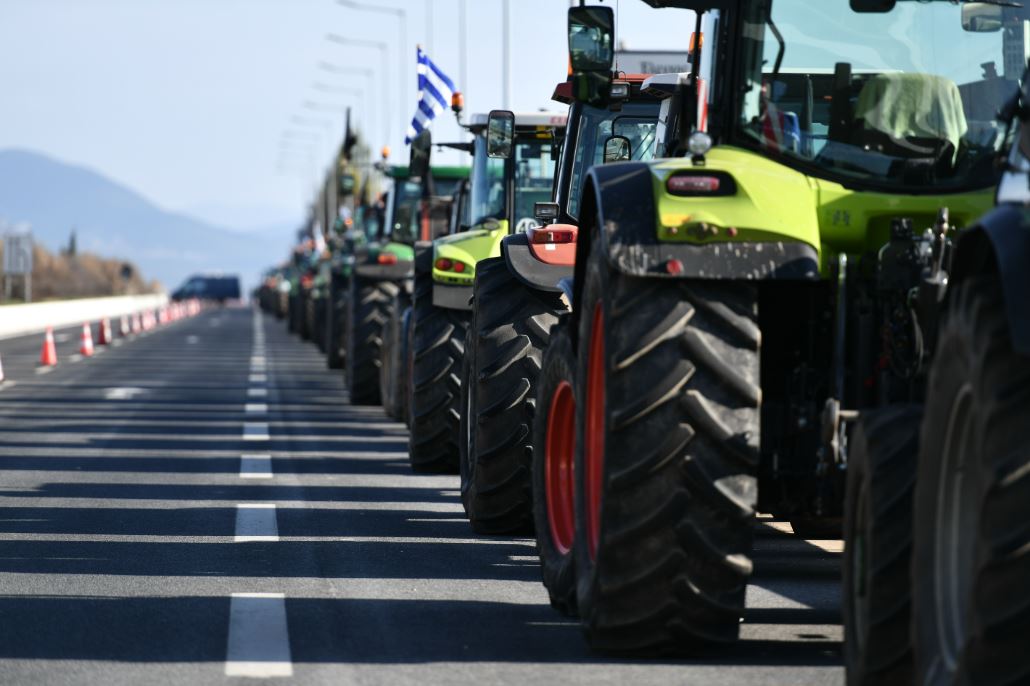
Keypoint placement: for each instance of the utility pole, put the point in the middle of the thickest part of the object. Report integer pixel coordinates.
(506, 57)
(402, 49)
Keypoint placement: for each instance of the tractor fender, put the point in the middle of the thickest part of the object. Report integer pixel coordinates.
(626, 212)
(1001, 240)
(525, 266)
(384, 272)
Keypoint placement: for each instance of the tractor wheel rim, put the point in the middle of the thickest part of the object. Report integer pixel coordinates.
(955, 537)
(559, 454)
(594, 433)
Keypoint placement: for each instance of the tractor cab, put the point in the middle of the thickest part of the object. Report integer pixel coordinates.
(513, 169)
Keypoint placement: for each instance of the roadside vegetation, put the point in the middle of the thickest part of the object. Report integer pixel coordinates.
(71, 274)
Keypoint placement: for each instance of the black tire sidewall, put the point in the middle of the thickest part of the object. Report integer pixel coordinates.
(558, 569)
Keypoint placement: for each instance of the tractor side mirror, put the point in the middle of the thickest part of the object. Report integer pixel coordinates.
(982, 17)
(591, 36)
(617, 149)
(872, 5)
(500, 134)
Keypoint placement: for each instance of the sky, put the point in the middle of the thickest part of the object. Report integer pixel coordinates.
(223, 109)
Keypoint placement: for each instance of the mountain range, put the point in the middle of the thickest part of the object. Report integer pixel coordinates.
(112, 220)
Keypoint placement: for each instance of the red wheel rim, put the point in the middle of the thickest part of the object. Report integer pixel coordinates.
(594, 433)
(559, 454)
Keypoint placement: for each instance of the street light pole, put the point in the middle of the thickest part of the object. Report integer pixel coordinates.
(506, 49)
(379, 45)
(369, 116)
(402, 51)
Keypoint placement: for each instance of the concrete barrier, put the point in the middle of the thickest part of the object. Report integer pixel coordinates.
(18, 320)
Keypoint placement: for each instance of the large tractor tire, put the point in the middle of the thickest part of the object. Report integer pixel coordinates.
(392, 372)
(293, 314)
(438, 344)
(510, 327)
(369, 310)
(971, 555)
(878, 547)
(304, 328)
(667, 451)
(554, 439)
(335, 311)
(406, 364)
(318, 322)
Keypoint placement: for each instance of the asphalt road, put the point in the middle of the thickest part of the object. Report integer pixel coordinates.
(200, 504)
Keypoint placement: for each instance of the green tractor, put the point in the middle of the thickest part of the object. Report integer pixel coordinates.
(346, 217)
(737, 304)
(513, 168)
(383, 269)
(438, 214)
(517, 298)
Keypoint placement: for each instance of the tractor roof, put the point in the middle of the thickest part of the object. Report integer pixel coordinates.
(527, 119)
(440, 172)
(563, 91)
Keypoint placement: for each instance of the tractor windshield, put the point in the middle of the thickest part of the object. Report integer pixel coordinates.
(534, 177)
(883, 100)
(486, 199)
(403, 203)
(533, 169)
(406, 205)
(637, 121)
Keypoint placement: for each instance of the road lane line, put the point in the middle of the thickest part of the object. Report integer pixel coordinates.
(44, 370)
(255, 408)
(74, 357)
(256, 522)
(255, 431)
(257, 392)
(257, 378)
(256, 466)
(259, 640)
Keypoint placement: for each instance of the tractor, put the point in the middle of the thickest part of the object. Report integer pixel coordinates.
(435, 217)
(509, 175)
(382, 269)
(740, 302)
(516, 300)
(937, 548)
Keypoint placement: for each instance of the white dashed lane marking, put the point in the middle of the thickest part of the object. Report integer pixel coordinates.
(255, 431)
(259, 640)
(256, 522)
(256, 466)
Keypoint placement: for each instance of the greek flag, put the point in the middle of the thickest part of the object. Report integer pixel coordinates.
(434, 95)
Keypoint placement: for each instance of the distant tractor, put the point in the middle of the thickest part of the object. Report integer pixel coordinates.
(513, 168)
(517, 300)
(382, 269)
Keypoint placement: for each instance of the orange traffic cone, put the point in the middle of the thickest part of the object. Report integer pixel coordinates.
(137, 324)
(86, 344)
(104, 332)
(123, 326)
(48, 356)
